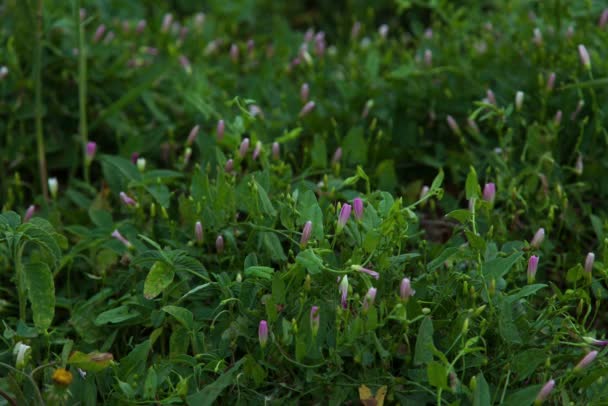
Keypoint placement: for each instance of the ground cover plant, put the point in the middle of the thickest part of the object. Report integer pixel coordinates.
(263, 203)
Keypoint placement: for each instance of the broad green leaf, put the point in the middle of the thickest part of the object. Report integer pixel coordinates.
(310, 261)
(150, 384)
(10, 220)
(117, 315)
(526, 291)
(472, 185)
(497, 268)
(481, 394)
(310, 211)
(183, 315)
(278, 288)
(523, 397)
(41, 293)
(210, 392)
(273, 246)
(262, 272)
(290, 136)
(265, 205)
(424, 342)
(92, 362)
(438, 180)
(159, 278)
(437, 374)
(463, 216)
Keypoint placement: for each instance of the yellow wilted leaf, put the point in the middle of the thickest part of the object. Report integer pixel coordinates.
(367, 399)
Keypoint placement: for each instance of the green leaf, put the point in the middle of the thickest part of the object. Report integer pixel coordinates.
(437, 374)
(354, 146)
(160, 193)
(117, 315)
(438, 180)
(289, 136)
(150, 383)
(10, 220)
(92, 362)
(497, 268)
(526, 291)
(310, 261)
(463, 216)
(278, 288)
(265, 205)
(481, 394)
(184, 316)
(41, 293)
(472, 185)
(423, 352)
(310, 211)
(262, 272)
(523, 397)
(159, 278)
(208, 395)
(273, 246)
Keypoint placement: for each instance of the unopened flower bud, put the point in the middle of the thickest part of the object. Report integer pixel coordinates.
(489, 192)
(3, 72)
(370, 297)
(428, 58)
(532, 268)
(193, 134)
(53, 187)
(239, 278)
(99, 32)
(545, 392)
(424, 191)
(358, 208)
(29, 213)
(116, 234)
(141, 26)
(234, 53)
(244, 148)
(306, 233)
(263, 333)
(127, 200)
(539, 236)
(198, 232)
(22, 353)
(308, 107)
(304, 92)
(587, 359)
(220, 130)
(343, 217)
(584, 55)
(538, 37)
(558, 118)
(90, 152)
(276, 151)
(141, 164)
(219, 244)
(405, 289)
(453, 124)
(337, 156)
(257, 150)
(383, 31)
(578, 166)
(551, 81)
(343, 289)
(589, 260)
(361, 269)
(519, 100)
(315, 320)
(603, 19)
(167, 21)
(229, 167)
(491, 97)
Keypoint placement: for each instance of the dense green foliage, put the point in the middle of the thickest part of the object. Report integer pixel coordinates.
(229, 147)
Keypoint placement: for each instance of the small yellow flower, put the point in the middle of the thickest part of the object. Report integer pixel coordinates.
(62, 377)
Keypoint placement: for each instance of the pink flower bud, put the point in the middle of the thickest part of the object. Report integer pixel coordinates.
(185, 62)
(539, 236)
(383, 31)
(453, 124)
(257, 150)
(570, 32)
(126, 199)
(304, 92)
(82, 13)
(489, 192)
(424, 191)
(221, 127)
(428, 58)
(306, 232)
(367, 108)
(90, 151)
(255, 110)
(358, 206)
(263, 333)
(141, 26)
(472, 126)
(234, 53)
(428, 33)
(229, 166)
(491, 97)
(371, 273)
(198, 232)
(343, 217)
(99, 33)
(532, 267)
(538, 37)
(578, 166)
(370, 297)
(308, 107)
(405, 289)
(244, 148)
(594, 341)
(589, 262)
(29, 213)
(167, 20)
(183, 33)
(343, 289)
(551, 81)
(199, 20)
(134, 157)
(126, 27)
(315, 320)
(109, 38)
(579, 107)
(337, 156)
(558, 118)
(193, 134)
(587, 359)
(545, 391)
(355, 30)
(116, 234)
(309, 35)
(584, 55)
(219, 244)
(276, 150)
(187, 155)
(603, 19)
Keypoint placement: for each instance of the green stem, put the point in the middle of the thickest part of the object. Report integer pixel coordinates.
(38, 102)
(82, 90)
(21, 288)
